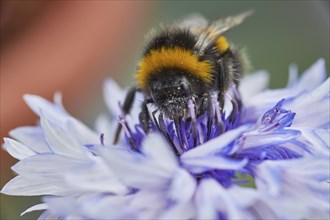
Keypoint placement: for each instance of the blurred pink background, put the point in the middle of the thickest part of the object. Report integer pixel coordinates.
(67, 46)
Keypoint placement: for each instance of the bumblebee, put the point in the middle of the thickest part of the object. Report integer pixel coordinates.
(188, 60)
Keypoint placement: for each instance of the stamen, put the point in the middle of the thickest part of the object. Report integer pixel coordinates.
(209, 127)
(263, 155)
(127, 131)
(200, 134)
(191, 107)
(125, 127)
(234, 112)
(194, 125)
(102, 139)
(237, 96)
(122, 112)
(163, 129)
(217, 110)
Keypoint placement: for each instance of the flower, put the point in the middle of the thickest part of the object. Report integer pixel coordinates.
(264, 156)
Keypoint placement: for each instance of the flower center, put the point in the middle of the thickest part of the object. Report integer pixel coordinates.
(183, 135)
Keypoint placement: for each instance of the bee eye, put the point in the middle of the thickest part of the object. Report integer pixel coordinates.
(184, 89)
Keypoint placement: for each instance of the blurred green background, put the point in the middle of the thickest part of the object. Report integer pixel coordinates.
(278, 34)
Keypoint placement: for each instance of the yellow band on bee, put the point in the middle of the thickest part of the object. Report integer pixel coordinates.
(222, 44)
(172, 58)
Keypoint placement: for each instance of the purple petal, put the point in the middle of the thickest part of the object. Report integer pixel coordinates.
(215, 145)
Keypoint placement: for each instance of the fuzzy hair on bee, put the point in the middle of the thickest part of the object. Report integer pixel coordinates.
(190, 60)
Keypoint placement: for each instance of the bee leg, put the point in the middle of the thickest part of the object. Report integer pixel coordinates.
(204, 105)
(144, 117)
(221, 82)
(210, 114)
(128, 103)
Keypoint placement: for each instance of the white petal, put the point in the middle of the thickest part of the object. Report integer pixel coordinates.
(43, 166)
(155, 147)
(104, 125)
(206, 202)
(180, 211)
(133, 117)
(181, 195)
(62, 206)
(261, 102)
(31, 136)
(272, 176)
(212, 199)
(106, 207)
(253, 83)
(293, 76)
(58, 100)
(29, 187)
(58, 115)
(318, 138)
(47, 215)
(182, 187)
(16, 149)
(319, 115)
(37, 103)
(319, 93)
(95, 177)
(59, 140)
(312, 77)
(295, 178)
(135, 170)
(243, 196)
(113, 94)
(82, 133)
(252, 139)
(202, 164)
(149, 204)
(38, 207)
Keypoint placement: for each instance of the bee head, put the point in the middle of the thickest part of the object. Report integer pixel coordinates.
(171, 93)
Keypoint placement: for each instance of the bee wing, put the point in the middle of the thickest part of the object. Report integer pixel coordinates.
(193, 22)
(218, 28)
